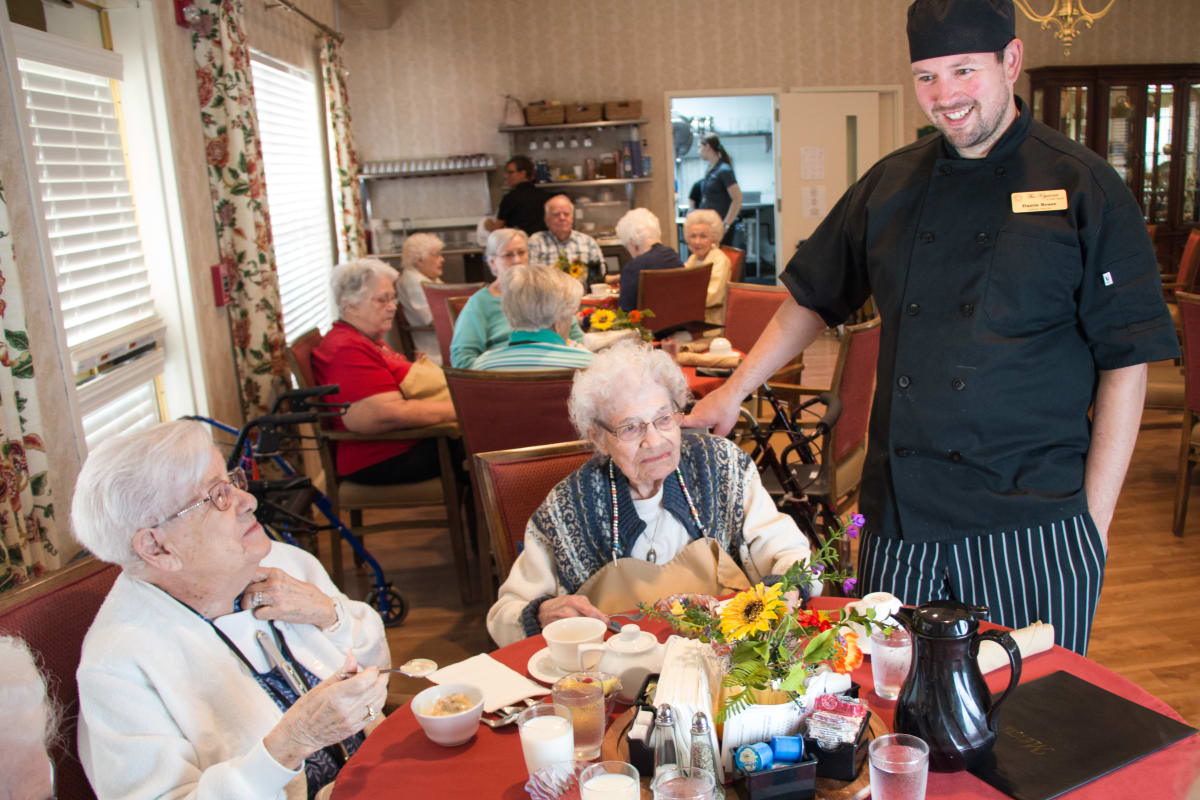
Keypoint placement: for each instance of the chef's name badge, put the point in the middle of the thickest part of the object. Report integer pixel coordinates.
(1043, 200)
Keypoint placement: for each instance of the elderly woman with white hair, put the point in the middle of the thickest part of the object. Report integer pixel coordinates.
(641, 234)
(221, 664)
(703, 230)
(653, 513)
(30, 722)
(481, 325)
(421, 262)
(355, 356)
(539, 304)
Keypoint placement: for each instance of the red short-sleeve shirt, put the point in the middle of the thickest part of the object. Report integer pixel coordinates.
(361, 368)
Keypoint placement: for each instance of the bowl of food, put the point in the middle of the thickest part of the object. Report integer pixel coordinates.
(449, 714)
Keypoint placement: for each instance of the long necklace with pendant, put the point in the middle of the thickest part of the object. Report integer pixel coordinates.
(652, 555)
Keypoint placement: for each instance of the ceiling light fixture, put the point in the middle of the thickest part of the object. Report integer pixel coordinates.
(1065, 15)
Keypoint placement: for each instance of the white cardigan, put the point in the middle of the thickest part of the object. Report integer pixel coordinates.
(167, 710)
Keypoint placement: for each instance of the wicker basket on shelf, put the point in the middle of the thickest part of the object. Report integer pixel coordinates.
(544, 113)
(623, 109)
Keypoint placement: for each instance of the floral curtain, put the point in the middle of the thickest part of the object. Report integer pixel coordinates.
(239, 196)
(343, 160)
(26, 512)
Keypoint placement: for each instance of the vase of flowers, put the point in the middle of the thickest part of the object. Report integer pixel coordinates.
(606, 319)
(772, 645)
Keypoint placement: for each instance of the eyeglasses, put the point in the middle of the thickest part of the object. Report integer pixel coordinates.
(634, 431)
(220, 495)
(384, 300)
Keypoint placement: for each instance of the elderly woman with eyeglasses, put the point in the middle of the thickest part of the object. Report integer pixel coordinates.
(481, 325)
(655, 512)
(221, 664)
(355, 356)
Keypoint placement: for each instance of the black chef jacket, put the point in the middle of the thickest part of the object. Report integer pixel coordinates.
(994, 325)
(524, 208)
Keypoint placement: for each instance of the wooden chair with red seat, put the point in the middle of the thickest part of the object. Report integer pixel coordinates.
(356, 498)
(1186, 278)
(53, 615)
(513, 483)
(436, 294)
(748, 309)
(500, 410)
(1189, 439)
(454, 307)
(836, 477)
(737, 261)
(676, 296)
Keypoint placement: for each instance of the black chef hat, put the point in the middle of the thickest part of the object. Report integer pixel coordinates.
(950, 27)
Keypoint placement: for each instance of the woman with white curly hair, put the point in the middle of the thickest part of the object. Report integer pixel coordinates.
(641, 235)
(30, 722)
(655, 512)
(703, 230)
(421, 262)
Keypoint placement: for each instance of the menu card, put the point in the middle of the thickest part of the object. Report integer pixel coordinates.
(1059, 732)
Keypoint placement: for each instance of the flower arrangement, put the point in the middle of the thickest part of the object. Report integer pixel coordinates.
(769, 640)
(575, 269)
(606, 319)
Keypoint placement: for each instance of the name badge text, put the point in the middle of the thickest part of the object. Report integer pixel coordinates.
(1042, 200)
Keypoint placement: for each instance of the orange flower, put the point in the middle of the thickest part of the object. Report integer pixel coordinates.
(848, 656)
(635, 316)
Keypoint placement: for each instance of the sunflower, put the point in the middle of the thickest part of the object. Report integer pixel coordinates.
(752, 610)
(848, 656)
(603, 319)
(576, 270)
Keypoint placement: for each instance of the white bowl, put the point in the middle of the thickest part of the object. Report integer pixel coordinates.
(452, 729)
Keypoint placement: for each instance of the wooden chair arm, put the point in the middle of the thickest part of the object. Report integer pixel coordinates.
(449, 430)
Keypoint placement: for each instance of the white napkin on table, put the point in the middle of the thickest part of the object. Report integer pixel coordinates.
(501, 685)
(1031, 640)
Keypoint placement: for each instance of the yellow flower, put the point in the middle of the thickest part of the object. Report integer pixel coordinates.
(752, 610)
(677, 608)
(576, 270)
(603, 319)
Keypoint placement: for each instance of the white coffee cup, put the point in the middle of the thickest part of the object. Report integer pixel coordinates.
(599, 288)
(565, 635)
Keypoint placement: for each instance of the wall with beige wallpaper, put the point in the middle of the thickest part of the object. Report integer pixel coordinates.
(434, 82)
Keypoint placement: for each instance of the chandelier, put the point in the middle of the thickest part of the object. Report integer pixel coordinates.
(1065, 15)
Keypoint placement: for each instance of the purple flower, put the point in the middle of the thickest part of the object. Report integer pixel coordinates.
(848, 585)
(852, 531)
(858, 520)
(817, 569)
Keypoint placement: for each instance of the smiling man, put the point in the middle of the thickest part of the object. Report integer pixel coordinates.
(1018, 289)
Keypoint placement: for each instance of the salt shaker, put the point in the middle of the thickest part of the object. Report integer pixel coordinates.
(702, 752)
(666, 754)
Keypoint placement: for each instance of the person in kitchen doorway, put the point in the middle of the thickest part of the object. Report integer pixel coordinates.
(561, 240)
(524, 203)
(1018, 289)
(719, 188)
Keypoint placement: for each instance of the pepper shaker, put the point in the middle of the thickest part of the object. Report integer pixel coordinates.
(702, 752)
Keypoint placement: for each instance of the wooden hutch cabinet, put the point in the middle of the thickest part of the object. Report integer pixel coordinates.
(1145, 120)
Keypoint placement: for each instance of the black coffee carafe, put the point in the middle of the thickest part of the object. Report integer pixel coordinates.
(945, 700)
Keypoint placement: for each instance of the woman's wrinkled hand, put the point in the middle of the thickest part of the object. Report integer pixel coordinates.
(274, 594)
(568, 605)
(335, 709)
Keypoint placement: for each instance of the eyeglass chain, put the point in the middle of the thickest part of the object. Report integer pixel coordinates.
(612, 485)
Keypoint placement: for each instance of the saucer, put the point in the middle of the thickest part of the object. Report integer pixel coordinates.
(542, 667)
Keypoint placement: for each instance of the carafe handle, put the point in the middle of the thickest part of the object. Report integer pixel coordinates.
(1006, 641)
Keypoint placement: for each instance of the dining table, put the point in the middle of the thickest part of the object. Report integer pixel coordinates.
(397, 760)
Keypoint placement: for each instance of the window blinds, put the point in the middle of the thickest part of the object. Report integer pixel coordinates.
(103, 283)
(297, 192)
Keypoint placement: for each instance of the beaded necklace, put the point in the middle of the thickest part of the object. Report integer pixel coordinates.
(612, 485)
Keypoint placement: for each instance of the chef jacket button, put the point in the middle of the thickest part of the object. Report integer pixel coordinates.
(945, 169)
(903, 381)
(926, 236)
(967, 309)
(956, 456)
(958, 384)
(1001, 172)
(902, 452)
(981, 238)
(913, 309)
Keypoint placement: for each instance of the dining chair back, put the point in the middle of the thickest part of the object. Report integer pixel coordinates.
(1189, 439)
(454, 307)
(356, 498)
(436, 294)
(737, 261)
(513, 483)
(500, 410)
(404, 333)
(53, 615)
(748, 309)
(676, 296)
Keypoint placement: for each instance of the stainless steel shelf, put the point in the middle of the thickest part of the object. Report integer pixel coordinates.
(596, 182)
(606, 123)
(425, 173)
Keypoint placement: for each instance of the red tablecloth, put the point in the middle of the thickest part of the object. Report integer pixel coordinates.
(398, 761)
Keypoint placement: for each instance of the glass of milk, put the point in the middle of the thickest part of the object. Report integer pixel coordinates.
(610, 780)
(546, 735)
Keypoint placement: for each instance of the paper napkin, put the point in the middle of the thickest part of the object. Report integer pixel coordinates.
(1031, 640)
(501, 685)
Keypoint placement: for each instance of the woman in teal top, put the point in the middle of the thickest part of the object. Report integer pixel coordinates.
(482, 326)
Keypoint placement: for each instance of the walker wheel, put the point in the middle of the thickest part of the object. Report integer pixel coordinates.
(395, 606)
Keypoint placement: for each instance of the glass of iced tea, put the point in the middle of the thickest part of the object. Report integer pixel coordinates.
(583, 693)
